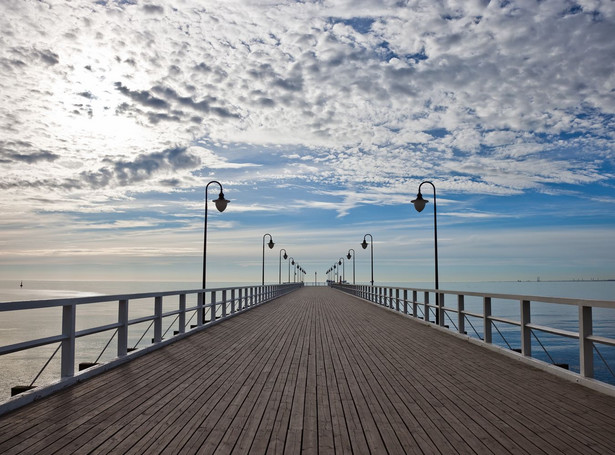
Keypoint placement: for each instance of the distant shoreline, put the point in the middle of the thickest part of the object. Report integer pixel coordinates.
(580, 280)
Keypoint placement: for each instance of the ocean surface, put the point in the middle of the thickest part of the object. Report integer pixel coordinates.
(22, 367)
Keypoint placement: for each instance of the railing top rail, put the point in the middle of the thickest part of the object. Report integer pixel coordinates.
(532, 298)
(33, 304)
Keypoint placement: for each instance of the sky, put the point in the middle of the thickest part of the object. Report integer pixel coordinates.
(320, 119)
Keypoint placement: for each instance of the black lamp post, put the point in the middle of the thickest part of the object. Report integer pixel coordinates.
(419, 205)
(221, 204)
(291, 261)
(343, 264)
(364, 246)
(270, 245)
(280, 271)
(351, 256)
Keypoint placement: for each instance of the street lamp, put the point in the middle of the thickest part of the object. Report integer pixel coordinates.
(280, 271)
(221, 204)
(291, 261)
(351, 256)
(419, 205)
(343, 264)
(364, 245)
(270, 245)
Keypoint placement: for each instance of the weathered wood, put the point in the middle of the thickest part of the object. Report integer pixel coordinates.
(317, 371)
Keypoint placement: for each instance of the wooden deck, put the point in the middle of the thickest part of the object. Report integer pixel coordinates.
(322, 372)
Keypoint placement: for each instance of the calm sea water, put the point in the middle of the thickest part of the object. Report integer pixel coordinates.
(21, 368)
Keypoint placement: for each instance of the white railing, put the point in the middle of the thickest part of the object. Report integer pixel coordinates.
(416, 303)
(213, 305)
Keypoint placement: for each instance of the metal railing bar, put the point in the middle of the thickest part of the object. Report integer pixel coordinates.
(106, 346)
(472, 325)
(45, 366)
(542, 346)
(144, 333)
(170, 325)
(501, 335)
(604, 361)
(450, 319)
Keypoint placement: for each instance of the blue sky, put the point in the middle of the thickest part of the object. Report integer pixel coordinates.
(320, 119)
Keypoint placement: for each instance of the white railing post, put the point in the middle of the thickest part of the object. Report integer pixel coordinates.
(67, 368)
(200, 310)
(157, 319)
(440, 300)
(182, 313)
(486, 321)
(526, 332)
(586, 347)
(461, 320)
(426, 303)
(122, 330)
(405, 301)
(224, 303)
(212, 306)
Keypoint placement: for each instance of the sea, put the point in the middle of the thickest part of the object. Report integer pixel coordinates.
(22, 368)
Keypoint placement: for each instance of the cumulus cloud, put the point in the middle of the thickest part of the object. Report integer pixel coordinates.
(363, 93)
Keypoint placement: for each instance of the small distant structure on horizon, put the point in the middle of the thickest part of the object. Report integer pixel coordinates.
(537, 279)
(21, 284)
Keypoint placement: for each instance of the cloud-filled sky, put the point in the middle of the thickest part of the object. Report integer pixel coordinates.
(320, 119)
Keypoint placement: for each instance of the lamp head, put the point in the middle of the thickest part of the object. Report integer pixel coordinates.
(271, 244)
(340, 262)
(292, 262)
(285, 256)
(419, 202)
(348, 256)
(221, 203)
(364, 244)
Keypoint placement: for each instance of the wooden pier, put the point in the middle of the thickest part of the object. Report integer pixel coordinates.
(318, 371)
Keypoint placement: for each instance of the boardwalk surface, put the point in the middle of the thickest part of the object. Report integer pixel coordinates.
(322, 372)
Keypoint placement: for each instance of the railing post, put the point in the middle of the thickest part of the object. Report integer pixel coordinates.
(440, 300)
(232, 301)
(526, 332)
(415, 304)
(122, 331)
(224, 303)
(200, 309)
(461, 320)
(240, 300)
(586, 347)
(397, 299)
(67, 368)
(182, 313)
(486, 321)
(157, 319)
(405, 301)
(427, 306)
(212, 306)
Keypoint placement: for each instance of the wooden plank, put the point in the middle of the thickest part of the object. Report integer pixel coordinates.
(317, 371)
